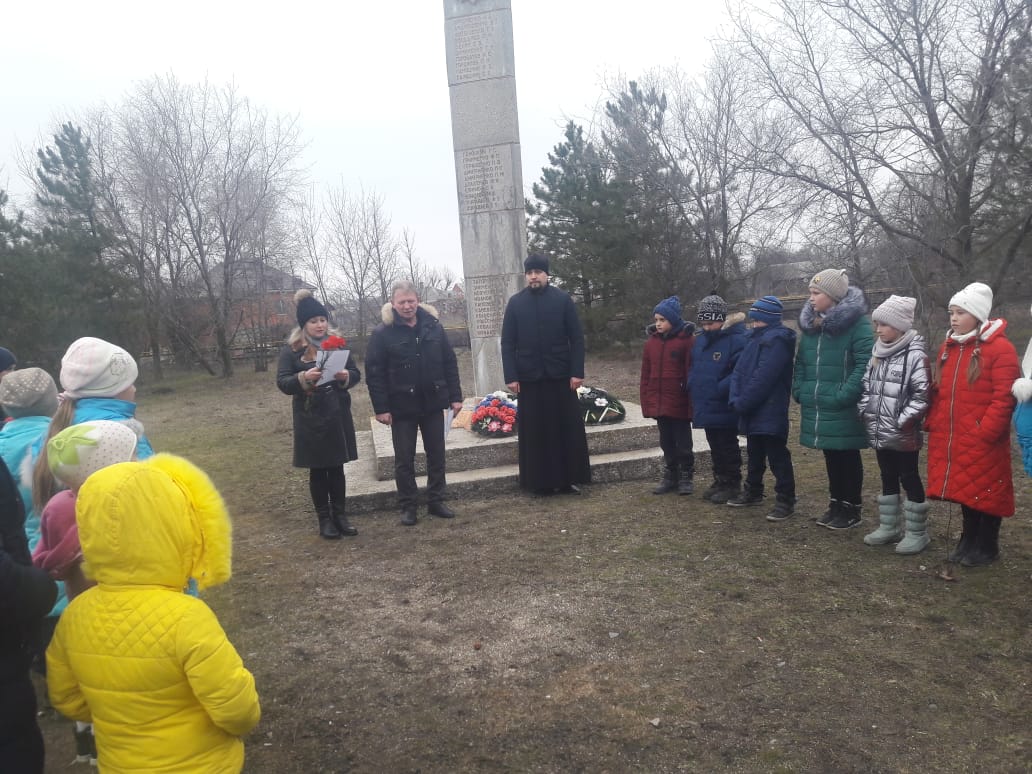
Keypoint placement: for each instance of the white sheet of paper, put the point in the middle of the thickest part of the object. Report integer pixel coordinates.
(337, 361)
(449, 415)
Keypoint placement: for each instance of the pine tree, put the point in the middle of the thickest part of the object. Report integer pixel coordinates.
(71, 248)
(579, 218)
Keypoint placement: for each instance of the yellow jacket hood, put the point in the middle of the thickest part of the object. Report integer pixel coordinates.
(154, 523)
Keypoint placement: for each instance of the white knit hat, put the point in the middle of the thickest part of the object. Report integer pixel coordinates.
(94, 368)
(897, 311)
(976, 299)
(81, 450)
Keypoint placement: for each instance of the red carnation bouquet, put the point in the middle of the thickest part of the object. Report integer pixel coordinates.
(330, 343)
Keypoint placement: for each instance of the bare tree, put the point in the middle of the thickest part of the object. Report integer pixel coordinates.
(353, 263)
(215, 164)
(378, 241)
(897, 113)
(425, 277)
(725, 141)
(312, 241)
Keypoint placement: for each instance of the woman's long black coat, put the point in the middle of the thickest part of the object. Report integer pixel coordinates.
(324, 430)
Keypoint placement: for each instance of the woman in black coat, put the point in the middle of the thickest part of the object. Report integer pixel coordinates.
(26, 596)
(324, 431)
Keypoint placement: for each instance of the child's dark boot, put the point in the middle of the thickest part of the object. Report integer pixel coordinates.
(968, 537)
(987, 546)
(669, 481)
(685, 484)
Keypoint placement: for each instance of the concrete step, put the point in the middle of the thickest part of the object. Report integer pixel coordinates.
(367, 492)
(465, 450)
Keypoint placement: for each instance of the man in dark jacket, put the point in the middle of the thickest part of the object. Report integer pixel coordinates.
(26, 596)
(543, 363)
(413, 377)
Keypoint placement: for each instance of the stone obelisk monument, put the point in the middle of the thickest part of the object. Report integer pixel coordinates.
(486, 140)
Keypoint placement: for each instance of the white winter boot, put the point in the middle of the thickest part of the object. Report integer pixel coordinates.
(917, 528)
(889, 514)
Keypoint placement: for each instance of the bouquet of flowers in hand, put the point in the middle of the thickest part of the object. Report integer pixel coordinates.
(495, 415)
(330, 343)
(598, 406)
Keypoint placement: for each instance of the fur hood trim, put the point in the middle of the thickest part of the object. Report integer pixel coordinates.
(1022, 389)
(387, 312)
(732, 320)
(840, 318)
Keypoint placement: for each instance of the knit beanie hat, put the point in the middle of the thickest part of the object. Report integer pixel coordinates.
(536, 261)
(58, 545)
(767, 309)
(834, 283)
(81, 450)
(308, 307)
(976, 299)
(7, 359)
(670, 308)
(897, 311)
(712, 309)
(94, 368)
(30, 392)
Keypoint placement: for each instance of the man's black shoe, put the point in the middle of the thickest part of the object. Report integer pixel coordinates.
(408, 517)
(570, 489)
(440, 510)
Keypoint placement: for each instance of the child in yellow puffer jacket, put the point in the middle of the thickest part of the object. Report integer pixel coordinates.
(150, 666)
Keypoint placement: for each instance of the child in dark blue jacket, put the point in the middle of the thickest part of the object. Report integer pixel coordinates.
(761, 386)
(714, 357)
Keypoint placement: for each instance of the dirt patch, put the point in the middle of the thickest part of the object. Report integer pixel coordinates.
(611, 632)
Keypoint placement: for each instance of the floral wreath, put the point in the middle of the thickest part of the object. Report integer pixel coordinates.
(598, 406)
(495, 415)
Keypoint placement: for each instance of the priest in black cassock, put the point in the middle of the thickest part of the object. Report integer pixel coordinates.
(543, 361)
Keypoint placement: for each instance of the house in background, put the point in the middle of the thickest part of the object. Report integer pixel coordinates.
(261, 312)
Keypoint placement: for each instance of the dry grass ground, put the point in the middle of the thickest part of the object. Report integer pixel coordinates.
(613, 632)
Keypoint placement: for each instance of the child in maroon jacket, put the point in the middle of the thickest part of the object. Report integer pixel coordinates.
(664, 373)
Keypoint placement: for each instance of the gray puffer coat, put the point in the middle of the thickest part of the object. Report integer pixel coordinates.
(895, 397)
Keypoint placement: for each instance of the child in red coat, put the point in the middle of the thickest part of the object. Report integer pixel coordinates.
(664, 373)
(969, 456)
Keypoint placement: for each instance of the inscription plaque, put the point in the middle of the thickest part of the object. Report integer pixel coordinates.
(475, 47)
(485, 179)
(487, 296)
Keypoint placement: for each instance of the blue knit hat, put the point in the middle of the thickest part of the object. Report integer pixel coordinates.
(670, 308)
(767, 309)
(7, 359)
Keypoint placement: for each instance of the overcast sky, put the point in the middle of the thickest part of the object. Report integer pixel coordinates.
(367, 80)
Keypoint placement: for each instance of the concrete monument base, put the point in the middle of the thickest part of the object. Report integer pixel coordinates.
(481, 467)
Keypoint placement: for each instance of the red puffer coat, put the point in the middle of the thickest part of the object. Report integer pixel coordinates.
(969, 456)
(664, 373)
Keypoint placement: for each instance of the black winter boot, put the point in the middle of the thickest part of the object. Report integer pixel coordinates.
(340, 520)
(338, 495)
(987, 547)
(712, 489)
(845, 516)
(829, 513)
(668, 482)
(685, 484)
(968, 538)
(327, 526)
